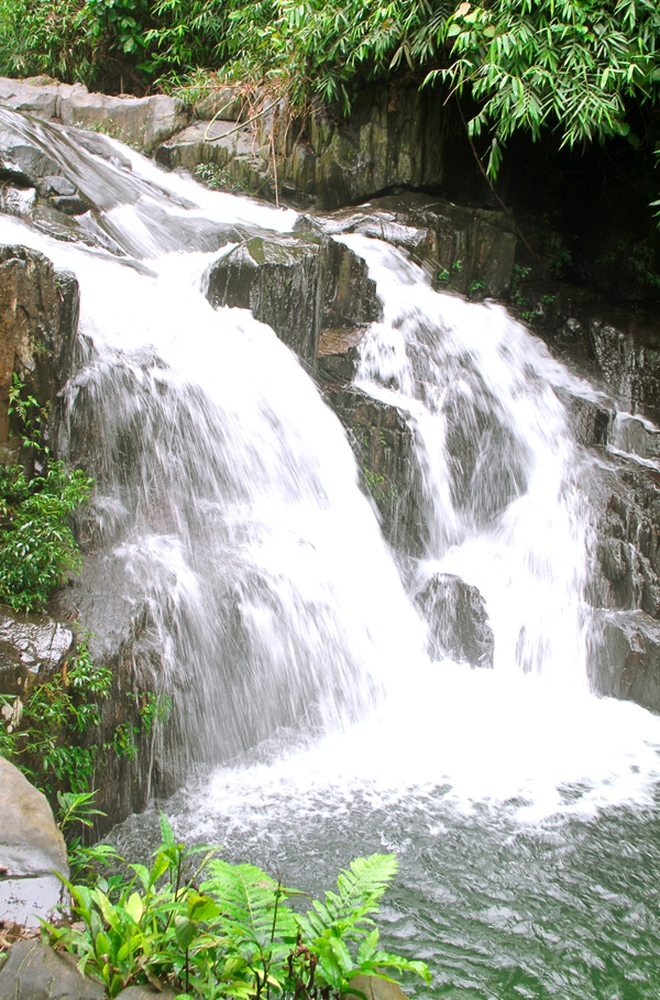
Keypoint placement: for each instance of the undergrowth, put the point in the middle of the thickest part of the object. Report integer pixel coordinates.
(194, 922)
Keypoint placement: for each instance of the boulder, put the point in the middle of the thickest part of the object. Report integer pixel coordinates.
(298, 285)
(624, 659)
(375, 988)
(395, 137)
(146, 993)
(458, 622)
(33, 971)
(223, 104)
(30, 645)
(31, 850)
(143, 122)
(617, 349)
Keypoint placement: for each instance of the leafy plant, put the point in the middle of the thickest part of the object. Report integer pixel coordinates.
(567, 65)
(233, 935)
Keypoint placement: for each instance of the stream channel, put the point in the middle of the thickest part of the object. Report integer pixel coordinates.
(525, 812)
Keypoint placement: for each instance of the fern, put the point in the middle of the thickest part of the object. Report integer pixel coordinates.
(360, 888)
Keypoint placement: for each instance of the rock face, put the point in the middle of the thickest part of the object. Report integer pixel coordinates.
(617, 348)
(143, 122)
(470, 251)
(298, 285)
(394, 138)
(383, 446)
(33, 971)
(38, 319)
(30, 645)
(31, 846)
(457, 619)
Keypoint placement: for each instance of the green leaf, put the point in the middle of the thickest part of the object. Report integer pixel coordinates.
(185, 931)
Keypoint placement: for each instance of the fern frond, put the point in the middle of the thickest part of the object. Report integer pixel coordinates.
(250, 903)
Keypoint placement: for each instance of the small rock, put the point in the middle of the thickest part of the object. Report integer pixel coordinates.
(33, 971)
(375, 988)
(458, 623)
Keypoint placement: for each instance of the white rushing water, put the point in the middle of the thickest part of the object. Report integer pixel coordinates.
(227, 506)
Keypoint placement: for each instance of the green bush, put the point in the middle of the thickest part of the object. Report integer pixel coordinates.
(37, 547)
(220, 930)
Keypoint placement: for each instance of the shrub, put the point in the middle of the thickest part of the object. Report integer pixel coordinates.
(221, 930)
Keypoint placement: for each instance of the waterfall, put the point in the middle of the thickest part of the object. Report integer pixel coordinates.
(228, 530)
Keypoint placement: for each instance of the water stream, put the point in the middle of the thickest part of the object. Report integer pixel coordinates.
(311, 722)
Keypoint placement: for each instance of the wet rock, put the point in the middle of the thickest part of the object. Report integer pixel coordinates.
(22, 162)
(298, 285)
(617, 349)
(590, 420)
(38, 319)
(394, 138)
(624, 657)
(384, 448)
(458, 623)
(33, 971)
(468, 250)
(31, 849)
(626, 570)
(30, 645)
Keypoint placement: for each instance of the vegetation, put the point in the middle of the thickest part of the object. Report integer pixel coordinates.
(52, 732)
(220, 930)
(37, 547)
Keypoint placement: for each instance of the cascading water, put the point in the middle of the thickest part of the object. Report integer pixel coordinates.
(228, 519)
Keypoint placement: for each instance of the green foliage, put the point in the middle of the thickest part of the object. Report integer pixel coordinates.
(220, 930)
(46, 732)
(37, 547)
(315, 47)
(567, 65)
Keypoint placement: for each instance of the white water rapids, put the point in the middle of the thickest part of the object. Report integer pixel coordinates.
(228, 505)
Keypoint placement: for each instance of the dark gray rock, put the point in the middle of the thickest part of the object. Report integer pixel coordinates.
(33, 971)
(458, 623)
(238, 158)
(617, 349)
(38, 320)
(624, 657)
(298, 285)
(467, 250)
(383, 445)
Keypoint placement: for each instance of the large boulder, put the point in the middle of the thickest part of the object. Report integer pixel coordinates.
(222, 154)
(458, 622)
(33, 971)
(299, 285)
(32, 849)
